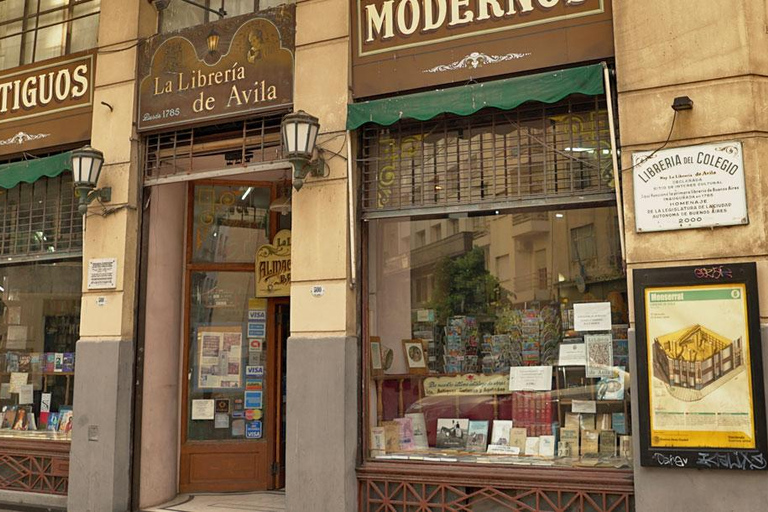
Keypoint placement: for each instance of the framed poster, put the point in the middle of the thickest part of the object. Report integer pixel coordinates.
(415, 358)
(219, 354)
(699, 367)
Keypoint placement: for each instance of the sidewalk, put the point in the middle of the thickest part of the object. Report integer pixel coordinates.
(266, 501)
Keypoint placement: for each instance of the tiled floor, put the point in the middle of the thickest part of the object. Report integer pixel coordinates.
(268, 501)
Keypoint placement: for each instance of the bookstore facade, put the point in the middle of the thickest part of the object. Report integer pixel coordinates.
(215, 257)
(495, 310)
(41, 249)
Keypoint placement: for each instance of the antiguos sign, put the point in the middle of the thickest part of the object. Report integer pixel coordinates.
(48, 104)
(690, 187)
(228, 68)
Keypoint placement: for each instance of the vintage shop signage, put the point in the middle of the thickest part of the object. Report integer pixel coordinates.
(46, 104)
(407, 44)
(690, 187)
(273, 266)
(251, 70)
(700, 388)
(468, 384)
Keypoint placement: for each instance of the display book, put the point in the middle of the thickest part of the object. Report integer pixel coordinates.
(18, 400)
(544, 428)
(37, 363)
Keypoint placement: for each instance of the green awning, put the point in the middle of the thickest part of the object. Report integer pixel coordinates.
(468, 99)
(29, 171)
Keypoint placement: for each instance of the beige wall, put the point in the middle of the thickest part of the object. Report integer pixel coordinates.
(163, 340)
(100, 459)
(713, 52)
(322, 350)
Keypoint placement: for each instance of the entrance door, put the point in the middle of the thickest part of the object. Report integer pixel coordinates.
(230, 405)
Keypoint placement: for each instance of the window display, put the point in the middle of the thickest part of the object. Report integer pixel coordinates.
(499, 339)
(39, 327)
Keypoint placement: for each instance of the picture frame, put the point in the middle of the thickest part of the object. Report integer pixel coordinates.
(377, 364)
(700, 367)
(415, 356)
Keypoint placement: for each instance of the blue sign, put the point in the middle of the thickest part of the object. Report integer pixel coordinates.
(257, 329)
(253, 430)
(253, 399)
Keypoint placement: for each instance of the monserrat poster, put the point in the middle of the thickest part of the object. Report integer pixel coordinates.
(700, 385)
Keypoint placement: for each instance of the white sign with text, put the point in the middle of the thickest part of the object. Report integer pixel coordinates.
(689, 187)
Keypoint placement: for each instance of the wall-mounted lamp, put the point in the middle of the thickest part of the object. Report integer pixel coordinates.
(86, 168)
(213, 41)
(299, 131)
(682, 103)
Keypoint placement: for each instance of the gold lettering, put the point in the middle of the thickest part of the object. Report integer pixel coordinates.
(29, 92)
(380, 21)
(80, 78)
(434, 21)
(457, 16)
(526, 6)
(498, 10)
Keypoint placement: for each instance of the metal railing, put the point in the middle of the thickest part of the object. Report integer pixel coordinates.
(548, 153)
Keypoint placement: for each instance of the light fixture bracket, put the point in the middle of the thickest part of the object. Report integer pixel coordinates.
(682, 103)
(87, 194)
(302, 168)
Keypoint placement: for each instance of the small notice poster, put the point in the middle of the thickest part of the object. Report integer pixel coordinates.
(203, 409)
(689, 187)
(220, 352)
(102, 273)
(592, 316)
(530, 378)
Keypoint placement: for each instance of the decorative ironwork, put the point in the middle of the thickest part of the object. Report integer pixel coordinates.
(213, 147)
(40, 220)
(475, 60)
(570, 490)
(34, 470)
(533, 156)
(22, 137)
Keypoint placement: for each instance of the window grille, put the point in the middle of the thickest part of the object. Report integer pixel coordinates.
(536, 155)
(40, 221)
(213, 147)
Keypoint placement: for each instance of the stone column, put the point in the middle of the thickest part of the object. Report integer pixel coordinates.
(100, 461)
(713, 55)
(322, 377)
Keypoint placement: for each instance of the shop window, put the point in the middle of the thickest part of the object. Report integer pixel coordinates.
(39, 326)
(40, 221)
(36, 30)
(180, 15)
(446, 386)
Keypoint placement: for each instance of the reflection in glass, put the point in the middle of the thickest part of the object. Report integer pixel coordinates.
(230, 223)
(485, 298)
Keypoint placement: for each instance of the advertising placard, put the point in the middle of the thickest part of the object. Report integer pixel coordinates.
(700, 372)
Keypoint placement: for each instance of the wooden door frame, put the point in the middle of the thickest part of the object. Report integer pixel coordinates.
(277, 455)
(190, 267)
